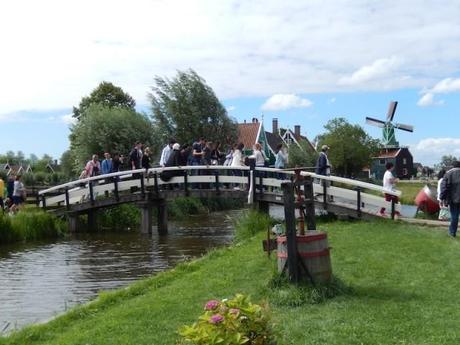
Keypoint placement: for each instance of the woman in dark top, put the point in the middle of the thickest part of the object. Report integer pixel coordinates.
(216, 155)
(146, 159)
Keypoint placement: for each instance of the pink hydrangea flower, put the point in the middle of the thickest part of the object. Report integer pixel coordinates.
(211, 305)
(216, 318)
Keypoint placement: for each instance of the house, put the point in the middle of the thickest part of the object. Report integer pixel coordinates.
(15, 169)
(400, 157)
(254, 132)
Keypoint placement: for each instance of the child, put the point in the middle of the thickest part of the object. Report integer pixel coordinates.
(389, 182)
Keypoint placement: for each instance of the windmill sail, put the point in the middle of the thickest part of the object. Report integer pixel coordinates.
(391, 110)
(375, 122)
(407, 128)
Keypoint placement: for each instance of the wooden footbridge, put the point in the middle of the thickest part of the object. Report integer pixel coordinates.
(258, 186)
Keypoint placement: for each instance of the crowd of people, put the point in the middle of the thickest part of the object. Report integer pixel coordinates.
(201, 152)
(13, 195)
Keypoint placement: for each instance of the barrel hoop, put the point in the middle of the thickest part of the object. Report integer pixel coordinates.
(304, 239)
(324, 252)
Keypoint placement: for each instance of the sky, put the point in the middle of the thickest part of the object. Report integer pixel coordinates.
(303, 62)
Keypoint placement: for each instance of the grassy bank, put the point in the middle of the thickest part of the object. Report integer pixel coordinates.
(409, 191)
(402, 282)
(29, 225)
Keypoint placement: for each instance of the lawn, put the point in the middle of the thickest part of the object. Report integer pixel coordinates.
(409, 191)
(403, 282)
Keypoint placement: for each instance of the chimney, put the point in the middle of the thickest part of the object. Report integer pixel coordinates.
(275, 125)
(297, 130)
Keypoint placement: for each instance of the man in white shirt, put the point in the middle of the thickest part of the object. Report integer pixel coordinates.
(166, 152)
(389, 182)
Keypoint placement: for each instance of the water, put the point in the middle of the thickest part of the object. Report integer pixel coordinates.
(39, 281)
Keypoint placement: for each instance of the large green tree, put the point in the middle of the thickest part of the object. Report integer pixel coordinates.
(303, 156)
(351, 148)
(186, 108)
(106, 94)
(108, 129)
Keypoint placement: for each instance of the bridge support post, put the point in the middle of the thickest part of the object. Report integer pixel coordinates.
(162, 218)
(146, 218)
(92, 221)
(73, 223)
(264, 207)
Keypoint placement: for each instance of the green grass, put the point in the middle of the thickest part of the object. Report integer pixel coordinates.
(409, 191)
(401, 288)
(29, 225)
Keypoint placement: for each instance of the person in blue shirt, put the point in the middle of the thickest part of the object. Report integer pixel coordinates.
(107, 166)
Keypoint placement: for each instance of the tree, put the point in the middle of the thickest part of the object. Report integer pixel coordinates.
(68, 164)
(186, 108)
(351, 148)
(303, 156)
(106, 129)
(446, 163)
(107, 94)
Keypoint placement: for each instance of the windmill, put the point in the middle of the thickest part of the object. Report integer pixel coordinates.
(389, 139)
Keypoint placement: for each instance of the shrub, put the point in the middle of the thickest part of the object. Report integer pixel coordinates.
(250, 224)
(120, 217)
(230, 322)
(184, 206)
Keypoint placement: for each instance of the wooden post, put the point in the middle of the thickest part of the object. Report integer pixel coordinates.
(141, 177)
(115, 188)
(67, 199)
(393, 211)
(186, 191)
(216, 172)
(155, 183)
(73, 223)
(309, 203)
(91, 192)
(264, 207)
(162, 218)
(146, 218)
(358, 201)
(92, 220)
(291, 234)
(44, 202)
(324, 194)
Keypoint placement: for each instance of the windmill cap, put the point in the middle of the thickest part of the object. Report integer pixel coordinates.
(324, 147)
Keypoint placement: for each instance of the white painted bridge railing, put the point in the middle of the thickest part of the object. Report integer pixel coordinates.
(351, 193)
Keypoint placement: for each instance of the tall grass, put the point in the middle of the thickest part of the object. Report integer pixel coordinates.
(29, 226)
(251, 223)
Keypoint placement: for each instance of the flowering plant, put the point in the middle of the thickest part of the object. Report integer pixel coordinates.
(230, 322)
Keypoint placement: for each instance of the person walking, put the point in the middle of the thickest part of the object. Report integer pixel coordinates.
(93, 167)
(323, 167)
(166, 152)
(116, 163)
(135, 156)
(389, 183)
(450, 195)
(444, 213)
(280, 160)
(238, 161)
(2, 192)
(19, 194)
(145, 161)
(107, 166)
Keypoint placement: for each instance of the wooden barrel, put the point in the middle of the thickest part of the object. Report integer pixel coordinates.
(313, 250)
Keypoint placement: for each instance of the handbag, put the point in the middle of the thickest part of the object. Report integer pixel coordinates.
(444, 213)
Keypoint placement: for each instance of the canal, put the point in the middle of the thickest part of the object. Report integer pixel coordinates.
(41, 280)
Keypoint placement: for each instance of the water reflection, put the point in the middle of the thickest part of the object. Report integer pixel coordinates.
(41, 280)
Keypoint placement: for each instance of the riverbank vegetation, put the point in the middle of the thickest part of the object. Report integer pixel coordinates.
(399, 279)
(29, 225)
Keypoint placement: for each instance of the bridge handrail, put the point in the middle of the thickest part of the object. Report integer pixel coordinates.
(138, 171)
(352, 182)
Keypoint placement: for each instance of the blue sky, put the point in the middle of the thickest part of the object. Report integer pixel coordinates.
(302, 62)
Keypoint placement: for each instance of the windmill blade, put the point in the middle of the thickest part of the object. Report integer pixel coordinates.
(391, 110)
(407, 128)
(375, 122)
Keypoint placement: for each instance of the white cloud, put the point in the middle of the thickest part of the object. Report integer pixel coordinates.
(285, 101)
(68, 119)
(50, 59)
(430, 150)
(447, 85)
(379, 69)
(231, 108)
(428, 100)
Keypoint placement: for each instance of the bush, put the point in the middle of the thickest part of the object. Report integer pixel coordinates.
(29, 226)
(250, 224)
(184, 206)
(120, 217)
(230, 322)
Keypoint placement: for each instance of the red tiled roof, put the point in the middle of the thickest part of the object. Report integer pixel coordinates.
(247, 133)
(388, 153)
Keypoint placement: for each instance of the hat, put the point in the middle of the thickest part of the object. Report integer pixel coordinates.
(324, 147)
(176, 146)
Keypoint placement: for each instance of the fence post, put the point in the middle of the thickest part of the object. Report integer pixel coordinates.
(309, 203)
(91, 192)
(358, 201)
(141, 177)
(291, 233)
(155, 183)
(67, 199)
(324, 194)
(115, 188)
(43, 202)
(393, 211)
(216, 172)
(186, 192)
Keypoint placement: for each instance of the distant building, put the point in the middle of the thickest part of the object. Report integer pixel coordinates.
(400, 157)
(15, 169)
(254, 132)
